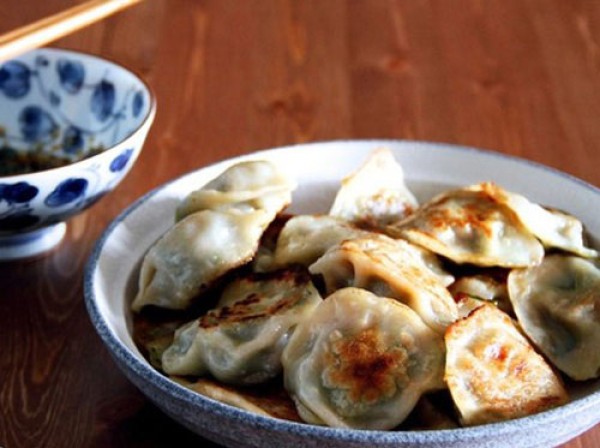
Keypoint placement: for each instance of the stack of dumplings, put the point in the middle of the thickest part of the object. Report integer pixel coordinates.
(477, 306)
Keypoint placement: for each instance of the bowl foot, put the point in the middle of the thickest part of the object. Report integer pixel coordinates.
(29, 244)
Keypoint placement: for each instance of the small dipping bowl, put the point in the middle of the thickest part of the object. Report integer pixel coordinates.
(71, 127)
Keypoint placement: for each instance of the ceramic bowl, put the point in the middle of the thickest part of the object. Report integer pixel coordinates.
(111, 279)
(76, 123)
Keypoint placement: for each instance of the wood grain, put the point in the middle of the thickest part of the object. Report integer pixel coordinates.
(51, 28)
(517, 76)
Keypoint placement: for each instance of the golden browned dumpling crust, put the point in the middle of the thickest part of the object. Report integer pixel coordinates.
(494, 373)
(241, 340)
(470, 226)
(361, 361)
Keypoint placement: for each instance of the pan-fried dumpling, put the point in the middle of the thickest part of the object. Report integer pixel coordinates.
(304, 238)
(431, 261)
(241, 340)
(233, 211)
(376, 194)
(467, 304)
(263, 261)
(361, 361)
(245, 186)
(469, 226)
(269, 400)
(389, 268)
(494, 373)
(558, 305)
(482, 288)
(553, 228)
(194, 253)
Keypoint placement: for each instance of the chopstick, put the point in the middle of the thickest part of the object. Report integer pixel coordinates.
(58, 25)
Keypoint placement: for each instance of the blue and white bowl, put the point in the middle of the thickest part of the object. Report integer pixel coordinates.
(91, 114)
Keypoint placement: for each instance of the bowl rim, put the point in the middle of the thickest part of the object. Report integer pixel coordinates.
(144, 124)
(178, 392)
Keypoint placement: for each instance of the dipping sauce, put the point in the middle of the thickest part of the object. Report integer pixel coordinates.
(13, 162)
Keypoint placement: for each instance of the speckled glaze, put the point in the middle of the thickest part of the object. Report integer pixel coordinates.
(110, 286)
(70, 105)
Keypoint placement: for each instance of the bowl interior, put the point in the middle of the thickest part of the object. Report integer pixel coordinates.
(64, 104)
(318, 168)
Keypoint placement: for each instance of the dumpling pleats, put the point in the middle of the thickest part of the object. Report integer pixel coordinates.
(219, 228)
(241, 341)
(553, 228)
(362, 361)
(471, 226)
(245, 187)
(390, 268)
(305, 238)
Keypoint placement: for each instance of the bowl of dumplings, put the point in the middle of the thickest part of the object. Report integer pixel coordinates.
(360, 293)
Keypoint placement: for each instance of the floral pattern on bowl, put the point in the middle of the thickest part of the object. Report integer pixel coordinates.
(64, 108)
(83, 116)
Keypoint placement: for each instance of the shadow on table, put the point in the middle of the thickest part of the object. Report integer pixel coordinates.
(147, 427)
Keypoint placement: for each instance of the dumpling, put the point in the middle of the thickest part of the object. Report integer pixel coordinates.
(219, 228)
(361, 361)
(245, 186)
(493, 373)
(376, 194)
(467, 304)
(263, 260)
(240, 341)
(558, 305)
(389, 268)
(482, 288)
(196, 252)
(553, 228)
(430, 260)
(268, 401)
(471, 226)
(304, 238)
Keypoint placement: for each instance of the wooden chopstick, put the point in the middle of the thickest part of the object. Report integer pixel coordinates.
(58, 25)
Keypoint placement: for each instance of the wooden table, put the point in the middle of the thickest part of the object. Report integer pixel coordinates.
(521, 77)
